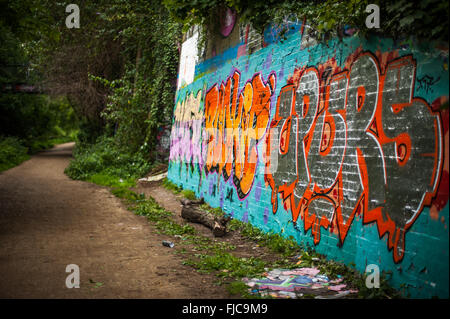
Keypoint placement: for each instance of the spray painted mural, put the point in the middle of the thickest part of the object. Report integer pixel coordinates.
(339, 136)
(350, 137)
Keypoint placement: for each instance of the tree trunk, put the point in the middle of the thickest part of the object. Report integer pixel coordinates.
(218, 225)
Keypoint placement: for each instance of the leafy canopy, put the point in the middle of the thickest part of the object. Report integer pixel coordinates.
(425, 19)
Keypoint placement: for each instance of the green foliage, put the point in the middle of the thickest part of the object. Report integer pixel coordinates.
(227, 265)
(106, 160)
(216, 258)
(111, 181)
(171, 186)
(205, 244)
(277, 243)
(151, 210)
(427, 20)
(190, 13)
(36, 119)
(140, 101)
(239, 288)
(118, 70)
(334, 270)
(26, 18)
(161, 218)
(189, 194)
(12, 152)
(124, 193)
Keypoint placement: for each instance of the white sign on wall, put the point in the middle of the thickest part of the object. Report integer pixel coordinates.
(188, 59)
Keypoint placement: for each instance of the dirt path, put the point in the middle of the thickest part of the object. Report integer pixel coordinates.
(48, 221)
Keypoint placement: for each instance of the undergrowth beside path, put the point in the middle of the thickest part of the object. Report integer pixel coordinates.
(13, 151)
(218, 257)
(104, 164)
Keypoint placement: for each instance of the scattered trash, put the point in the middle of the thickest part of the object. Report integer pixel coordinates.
(336, 296)
(287, 283)
(168, 243)
(153, 178)
(338, 287)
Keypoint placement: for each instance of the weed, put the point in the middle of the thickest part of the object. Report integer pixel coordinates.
(240, 288)
(112, 181)
(105, 159)
(12, 153)
(354, 278)
(227, 265)
(171, 186)
(277, 243)
(161, 218)
(383, 292)
(293, 256)
(205, 244)
(125, 193)
(172, 228)
(215, 211)
(151, 210)
(211, 256)
(189, 194)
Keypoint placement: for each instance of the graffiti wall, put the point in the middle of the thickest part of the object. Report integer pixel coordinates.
(342, 145)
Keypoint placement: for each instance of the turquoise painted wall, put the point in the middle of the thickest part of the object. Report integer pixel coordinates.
(396, 183)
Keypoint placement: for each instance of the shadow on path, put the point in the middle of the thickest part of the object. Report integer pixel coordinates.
(48, 221)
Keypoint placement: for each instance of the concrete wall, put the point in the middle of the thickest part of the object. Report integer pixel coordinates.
(342, 145)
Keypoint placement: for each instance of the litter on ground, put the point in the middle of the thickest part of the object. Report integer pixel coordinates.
(294, 283)
(153, 178)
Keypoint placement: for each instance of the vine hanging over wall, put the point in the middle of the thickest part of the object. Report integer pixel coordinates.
(399, 18)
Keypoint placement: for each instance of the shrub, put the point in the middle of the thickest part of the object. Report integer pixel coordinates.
(12, 152)
(105, 157)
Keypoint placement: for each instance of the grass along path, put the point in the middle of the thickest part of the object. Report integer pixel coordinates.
(245, 252)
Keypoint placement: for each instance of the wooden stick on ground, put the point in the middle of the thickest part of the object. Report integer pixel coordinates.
(193, 214)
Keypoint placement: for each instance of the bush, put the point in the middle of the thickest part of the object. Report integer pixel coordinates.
(12, 152)
(106, 158)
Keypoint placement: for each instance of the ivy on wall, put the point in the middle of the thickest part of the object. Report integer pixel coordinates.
(426, 19)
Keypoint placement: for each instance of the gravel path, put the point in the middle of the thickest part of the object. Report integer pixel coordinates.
(48, 221)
